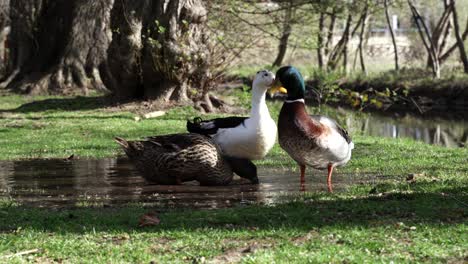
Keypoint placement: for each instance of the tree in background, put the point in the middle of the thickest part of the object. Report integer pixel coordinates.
(286, 28)
(57, 46)
(4, 30)
(392, 34)
(138, 49)
(160, 49)
(460, 44)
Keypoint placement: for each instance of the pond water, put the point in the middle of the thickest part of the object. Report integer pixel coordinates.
(107, 182)
(437, 131)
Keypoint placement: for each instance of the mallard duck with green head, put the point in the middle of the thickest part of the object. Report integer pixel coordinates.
(311, 140)
(177, 158)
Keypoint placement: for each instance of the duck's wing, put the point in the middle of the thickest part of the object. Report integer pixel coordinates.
(209, 127)
(333, 125)
(176, 142)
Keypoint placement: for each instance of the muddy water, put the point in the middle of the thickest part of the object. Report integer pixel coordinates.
(107, 182)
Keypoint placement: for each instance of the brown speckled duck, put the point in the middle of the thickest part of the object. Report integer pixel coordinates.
(316, 141)
(177, 158)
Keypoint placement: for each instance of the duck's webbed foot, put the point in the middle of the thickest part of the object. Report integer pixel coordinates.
(245, 168)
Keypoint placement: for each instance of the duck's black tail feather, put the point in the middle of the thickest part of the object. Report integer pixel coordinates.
(209, 127)
(200, 126)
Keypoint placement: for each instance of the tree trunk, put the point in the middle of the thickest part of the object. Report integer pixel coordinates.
(175, 51)
(392, 34)
(361, 40)
(320, 33)
(137, 49)
(124, 56)
(58, 46)
(4, 30)
(286, 32)
(460, 44)
(441, 31)
(340, 48)
(428, 44)
(452, 48)
(330, 34)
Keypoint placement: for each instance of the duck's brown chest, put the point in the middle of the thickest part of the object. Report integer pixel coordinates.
(297, 135)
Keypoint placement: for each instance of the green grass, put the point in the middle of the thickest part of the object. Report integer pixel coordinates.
(385, 221)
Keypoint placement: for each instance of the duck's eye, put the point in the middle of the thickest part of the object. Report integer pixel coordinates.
(265, 74)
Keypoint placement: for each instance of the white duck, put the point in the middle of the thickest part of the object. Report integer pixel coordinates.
(244, 137)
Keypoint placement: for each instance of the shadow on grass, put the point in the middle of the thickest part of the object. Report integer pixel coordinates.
(446, 206)
(67, 104)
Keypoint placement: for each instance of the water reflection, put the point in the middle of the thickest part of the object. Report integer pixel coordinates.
(105, 182)
(432, 131)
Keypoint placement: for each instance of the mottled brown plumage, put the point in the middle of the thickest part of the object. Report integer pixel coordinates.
(176, 158)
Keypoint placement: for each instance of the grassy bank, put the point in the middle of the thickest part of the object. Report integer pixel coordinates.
(422, 220)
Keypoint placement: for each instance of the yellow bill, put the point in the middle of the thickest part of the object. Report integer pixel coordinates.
(277, 87)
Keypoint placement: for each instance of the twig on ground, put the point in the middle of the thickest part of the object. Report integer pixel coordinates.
(21, 253)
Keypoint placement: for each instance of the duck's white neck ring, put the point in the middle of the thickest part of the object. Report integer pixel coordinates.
(297, 100)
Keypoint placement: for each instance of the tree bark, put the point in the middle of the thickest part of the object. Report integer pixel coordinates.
(392, 34)
(286, 32)
(460, 44)
(58, 46)
(175, 52)
(4, 31)
(124, 55)
(136, 49)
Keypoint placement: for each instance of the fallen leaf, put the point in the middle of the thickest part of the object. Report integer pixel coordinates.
(149, 219)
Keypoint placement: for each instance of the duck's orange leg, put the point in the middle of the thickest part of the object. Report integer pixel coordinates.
(303, 168)
(329, 182)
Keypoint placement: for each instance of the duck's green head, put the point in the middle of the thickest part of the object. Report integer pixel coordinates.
(289, 80)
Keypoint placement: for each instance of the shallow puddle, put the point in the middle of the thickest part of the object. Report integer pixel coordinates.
(107, 182)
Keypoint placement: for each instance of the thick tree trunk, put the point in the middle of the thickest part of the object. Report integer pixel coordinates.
(137, 49)
(124, 56)
(175, 49)
(61, 46)
(4, 31)
(392, 34)
(286, 32)
(23, 19)
(460, 44)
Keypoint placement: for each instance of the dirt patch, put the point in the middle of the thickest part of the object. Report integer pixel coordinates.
(235, 254)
